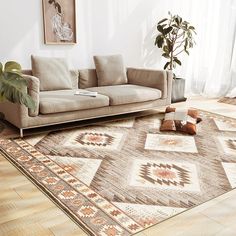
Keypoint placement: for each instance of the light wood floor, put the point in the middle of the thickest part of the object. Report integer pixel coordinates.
(25, 211)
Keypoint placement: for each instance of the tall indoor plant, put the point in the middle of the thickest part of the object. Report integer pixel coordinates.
(175, 36)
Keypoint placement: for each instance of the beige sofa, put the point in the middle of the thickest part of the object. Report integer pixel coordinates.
(146, 89)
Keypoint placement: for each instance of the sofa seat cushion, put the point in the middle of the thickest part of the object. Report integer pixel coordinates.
(128, 93)
(65, 101)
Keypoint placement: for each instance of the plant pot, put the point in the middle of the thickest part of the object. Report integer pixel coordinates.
(178, 88)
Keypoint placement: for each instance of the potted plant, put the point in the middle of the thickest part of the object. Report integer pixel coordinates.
(175, 36)
(13, 86)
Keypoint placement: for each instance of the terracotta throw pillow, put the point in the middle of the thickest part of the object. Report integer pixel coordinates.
(180, 120)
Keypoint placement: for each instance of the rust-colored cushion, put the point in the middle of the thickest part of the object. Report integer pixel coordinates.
(180, 120)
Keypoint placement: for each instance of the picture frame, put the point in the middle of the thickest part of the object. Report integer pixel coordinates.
(59, 21)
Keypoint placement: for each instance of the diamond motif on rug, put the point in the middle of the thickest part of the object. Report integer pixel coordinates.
(111, 230)
(87, 211)
(228, 144)
(95, 139)
(230, 170)
(24, 158)
(82, 168)
(36, 168)
(147, 215)
(225, 125)
(67, 194)
(170, 143)
(51, 180)
(164, 175)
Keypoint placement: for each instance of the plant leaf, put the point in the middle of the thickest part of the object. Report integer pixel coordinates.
(14, 90)
(191, 27)
(161, 21)
(157, 38)
(168, 30)
(166, 65)
(169, 45)
(1, 68)
(177, 20)
(186, 44)
(165, 49)
(160, 28)
(159, 42)
(177, 61)
(12, 66)
(166, 55)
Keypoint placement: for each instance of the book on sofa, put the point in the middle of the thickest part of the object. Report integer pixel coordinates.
(86, 93)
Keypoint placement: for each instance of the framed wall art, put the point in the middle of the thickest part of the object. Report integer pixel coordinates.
(59, 18)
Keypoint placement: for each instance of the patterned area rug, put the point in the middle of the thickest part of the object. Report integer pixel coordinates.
(121, 177)
(231, 101)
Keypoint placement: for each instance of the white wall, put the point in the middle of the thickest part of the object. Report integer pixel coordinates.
(103, 27)
(21, 24)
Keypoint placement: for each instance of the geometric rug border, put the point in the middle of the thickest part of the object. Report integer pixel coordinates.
(43, 190)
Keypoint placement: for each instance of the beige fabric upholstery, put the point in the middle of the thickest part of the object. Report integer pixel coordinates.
(150, 78)
(23, 121)
(74, 75)
(33, 91)
(110, 70)
(65, 100)
(27, 72)
(18, 115)
(53, 73)
(125, 94)
(87, 78)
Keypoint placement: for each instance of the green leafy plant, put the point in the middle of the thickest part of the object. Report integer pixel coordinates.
(175, 36)
(13, 85)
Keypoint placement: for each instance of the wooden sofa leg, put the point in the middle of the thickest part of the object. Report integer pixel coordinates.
(21, 133)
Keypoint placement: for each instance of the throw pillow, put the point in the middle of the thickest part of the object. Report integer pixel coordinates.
(110, 70)
(180, 120)
(53, 73)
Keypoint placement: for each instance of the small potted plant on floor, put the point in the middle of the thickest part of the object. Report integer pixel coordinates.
(175, 36)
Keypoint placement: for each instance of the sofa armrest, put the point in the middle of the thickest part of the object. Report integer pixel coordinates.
(33, 91)
(19, 114)
(159, 79)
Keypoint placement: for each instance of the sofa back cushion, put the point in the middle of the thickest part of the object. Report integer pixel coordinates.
(110, 70)
(74, 76)
(88, 78)
(53, 73)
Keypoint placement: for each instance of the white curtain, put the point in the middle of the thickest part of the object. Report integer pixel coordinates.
(210, 70)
